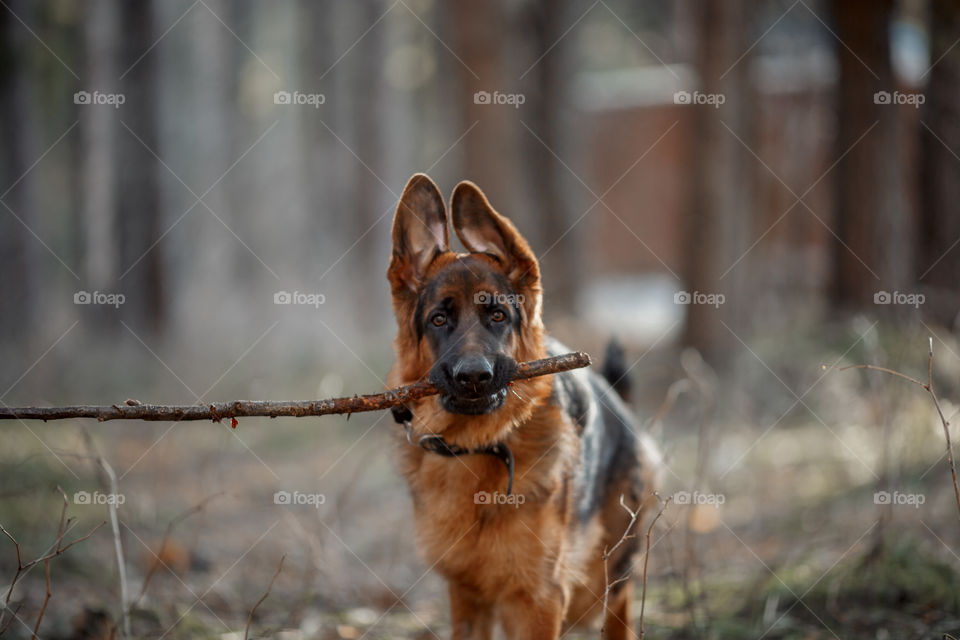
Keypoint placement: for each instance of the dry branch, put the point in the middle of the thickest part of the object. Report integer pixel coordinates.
(627, 534)
(110, 482)
(246, 630)
(928, 387)
(134, 410)
(55, 550)
(646, 561)
(158, 557)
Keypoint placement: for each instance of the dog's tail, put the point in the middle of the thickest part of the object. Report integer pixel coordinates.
(615, 370)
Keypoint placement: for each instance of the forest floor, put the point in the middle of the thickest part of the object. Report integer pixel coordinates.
(804, 544)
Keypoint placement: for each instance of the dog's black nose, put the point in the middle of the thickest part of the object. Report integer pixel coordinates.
(473, 371)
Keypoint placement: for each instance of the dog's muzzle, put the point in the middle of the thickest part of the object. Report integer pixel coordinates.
(474, 385)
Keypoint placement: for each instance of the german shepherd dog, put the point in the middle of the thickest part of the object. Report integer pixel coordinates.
(524, 552)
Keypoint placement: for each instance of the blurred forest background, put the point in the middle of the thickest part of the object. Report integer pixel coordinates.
(748, 195)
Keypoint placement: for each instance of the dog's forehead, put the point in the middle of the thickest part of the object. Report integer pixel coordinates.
(463, 275)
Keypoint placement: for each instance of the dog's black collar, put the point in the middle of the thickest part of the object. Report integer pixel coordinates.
(401, 414)
(436, 444)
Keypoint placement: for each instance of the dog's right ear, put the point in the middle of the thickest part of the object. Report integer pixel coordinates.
(420, 234)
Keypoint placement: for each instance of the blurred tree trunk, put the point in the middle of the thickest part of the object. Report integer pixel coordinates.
(939, 247)
(98, 161)
(366, 91)
(343, 168)
(479, 31)
(140, 222)
(544, 109)
(323, 182)
(220, 258)
(236, 186)
(873, 252)
(19, 148)
(722, 190)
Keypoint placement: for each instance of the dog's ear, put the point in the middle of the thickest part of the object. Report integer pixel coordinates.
(419, 234)
(483, 230)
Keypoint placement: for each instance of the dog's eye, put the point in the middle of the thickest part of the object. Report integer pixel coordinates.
(498, 316)
(438, 319)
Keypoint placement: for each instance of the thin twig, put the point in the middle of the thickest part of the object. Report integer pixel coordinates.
(646, 560)
(928, 387)
(673, 392)
(163, 544)
(19, 565)
(10, 620)
(46, 600)
(114, 489)
(884, 370)
(246, 631)
(46, 563)
(606, 556)
(705, 382)
(56, 549)
(134, 410)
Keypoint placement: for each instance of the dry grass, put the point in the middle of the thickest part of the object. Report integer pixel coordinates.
(797, 541)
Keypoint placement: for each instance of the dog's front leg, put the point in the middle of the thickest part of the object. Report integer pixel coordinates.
(526, 617)
(471, 616)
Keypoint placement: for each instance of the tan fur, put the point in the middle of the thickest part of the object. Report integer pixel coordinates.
(521, 566)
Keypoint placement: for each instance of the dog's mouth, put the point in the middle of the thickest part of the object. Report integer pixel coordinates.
(474, 405)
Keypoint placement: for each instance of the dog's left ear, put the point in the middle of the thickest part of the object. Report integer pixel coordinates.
(419, 234)
(483, 230)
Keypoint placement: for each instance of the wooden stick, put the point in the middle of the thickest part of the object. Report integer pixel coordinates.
(134, 410)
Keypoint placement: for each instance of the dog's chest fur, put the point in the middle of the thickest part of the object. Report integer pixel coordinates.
(458, 531)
